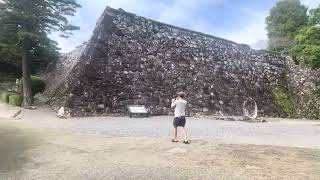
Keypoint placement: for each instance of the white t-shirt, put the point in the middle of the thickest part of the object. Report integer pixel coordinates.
(180, 107)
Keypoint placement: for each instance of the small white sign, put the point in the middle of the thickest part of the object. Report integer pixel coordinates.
(137, 109)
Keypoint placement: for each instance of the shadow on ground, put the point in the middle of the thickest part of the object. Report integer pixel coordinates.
(14, 146)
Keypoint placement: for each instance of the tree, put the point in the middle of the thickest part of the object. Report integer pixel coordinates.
(307, 47)
(284, 22)
(25, 25)
(314, 16)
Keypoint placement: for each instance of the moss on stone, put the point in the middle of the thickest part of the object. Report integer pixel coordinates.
(282, 98)
(15, 100)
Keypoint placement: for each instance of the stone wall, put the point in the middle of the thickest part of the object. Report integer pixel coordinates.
(133, 60)
(56, 77)
(304, 86)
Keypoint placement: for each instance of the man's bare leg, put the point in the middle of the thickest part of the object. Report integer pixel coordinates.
(185, 134)
(175, 133)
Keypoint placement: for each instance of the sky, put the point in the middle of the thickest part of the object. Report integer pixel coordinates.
(242, 21)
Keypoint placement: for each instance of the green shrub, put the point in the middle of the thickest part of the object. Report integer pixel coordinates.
(306, 49)
(283, 100)
(15, 100)
(5, 97)
(38, 85)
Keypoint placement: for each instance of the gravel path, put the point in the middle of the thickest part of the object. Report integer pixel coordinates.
(293, 133)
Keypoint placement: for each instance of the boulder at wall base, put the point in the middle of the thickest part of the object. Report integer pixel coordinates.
(63, 113)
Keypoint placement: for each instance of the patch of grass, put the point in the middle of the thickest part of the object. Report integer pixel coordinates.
(282, 98)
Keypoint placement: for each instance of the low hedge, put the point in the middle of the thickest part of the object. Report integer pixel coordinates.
(4, 96)
(15, 100)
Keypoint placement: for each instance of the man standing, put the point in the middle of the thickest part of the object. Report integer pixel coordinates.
(179, 103)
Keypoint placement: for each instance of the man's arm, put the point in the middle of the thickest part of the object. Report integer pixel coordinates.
(173, 103)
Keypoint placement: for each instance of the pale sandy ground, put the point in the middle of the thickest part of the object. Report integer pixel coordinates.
(28, 153)
(8, 111)
(53, 150)
(276, 132)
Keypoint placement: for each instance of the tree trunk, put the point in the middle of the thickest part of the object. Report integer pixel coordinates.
(26, 76)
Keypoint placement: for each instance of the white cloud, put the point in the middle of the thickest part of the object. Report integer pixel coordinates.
(93, 9)
(253, 33)
(260, 44)
(250, 33)
(176, 12)
(184, 12)
(78, 37)
(311, 3)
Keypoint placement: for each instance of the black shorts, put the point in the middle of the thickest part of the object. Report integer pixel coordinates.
(179, 121)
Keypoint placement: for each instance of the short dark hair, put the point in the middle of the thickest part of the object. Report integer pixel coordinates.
(181, 94)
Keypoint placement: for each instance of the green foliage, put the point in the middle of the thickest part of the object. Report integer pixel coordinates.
(283, 100)
(33, 20)
(24, 29)
(284, 22)
(291, 29)
(38, 85)
(307, 47)
(314, 18)
(5, 97)
(6, 75)
(15, 100)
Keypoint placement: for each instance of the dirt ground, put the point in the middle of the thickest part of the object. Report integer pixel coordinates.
(33, 153)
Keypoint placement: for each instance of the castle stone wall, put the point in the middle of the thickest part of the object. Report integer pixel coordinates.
(133, 60)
